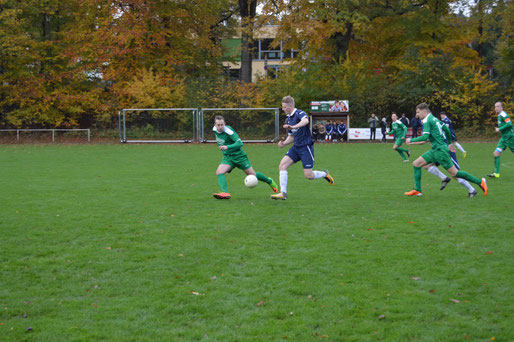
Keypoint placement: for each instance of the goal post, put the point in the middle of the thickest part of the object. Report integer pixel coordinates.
(251, 124)
(158, 125)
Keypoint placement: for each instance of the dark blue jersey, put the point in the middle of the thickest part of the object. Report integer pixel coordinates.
(448, 123)
(302, 136)
(330, 129)
(341, 128)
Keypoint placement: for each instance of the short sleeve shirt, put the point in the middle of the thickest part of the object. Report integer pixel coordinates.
(302, 136)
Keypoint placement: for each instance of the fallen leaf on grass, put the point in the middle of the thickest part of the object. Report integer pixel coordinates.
(454, 300)
(489, 252)
(431, 291)
(381, 317)
(261, 303)
(415, 278)
(324, 336)
(108, 248)
(411, 222)
(195, 293)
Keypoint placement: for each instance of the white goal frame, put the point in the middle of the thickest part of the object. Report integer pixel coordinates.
(201, 123)
(123, 127)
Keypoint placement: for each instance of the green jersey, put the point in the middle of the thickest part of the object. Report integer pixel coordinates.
(433, 129)
(399, 129)
(230, 139)
(505, 125)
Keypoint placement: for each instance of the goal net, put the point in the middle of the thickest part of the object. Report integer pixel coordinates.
(158, 125)
(251, 124)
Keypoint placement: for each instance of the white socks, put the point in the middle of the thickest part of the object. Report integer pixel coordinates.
(435, 171)
(465, 184)
(319, 174)
(459, 147)
(283, 181)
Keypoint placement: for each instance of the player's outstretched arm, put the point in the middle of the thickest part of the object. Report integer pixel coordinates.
(286, 141)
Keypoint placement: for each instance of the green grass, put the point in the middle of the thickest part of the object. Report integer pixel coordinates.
(125, 243)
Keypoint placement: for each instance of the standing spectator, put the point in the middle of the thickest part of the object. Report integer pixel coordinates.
(341, 131)
(416, 125)
(336, 107)
(315, 132)
(405, 120)
(373, 123)
(321, 131)
(383, 128)
(330, 131)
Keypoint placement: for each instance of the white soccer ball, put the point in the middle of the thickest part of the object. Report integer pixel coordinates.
(251, 181)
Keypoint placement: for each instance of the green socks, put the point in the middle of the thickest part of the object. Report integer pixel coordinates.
(402, 154)
(468, 177)
(417, 178)
(223, 182)
(263, 178)
(497, 164)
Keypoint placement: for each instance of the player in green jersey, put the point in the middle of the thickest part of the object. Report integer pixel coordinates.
(400, 130)
(507, 140)
(433, 132)
(233, 156)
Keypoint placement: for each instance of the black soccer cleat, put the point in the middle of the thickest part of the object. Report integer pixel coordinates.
(445, 182)
(472, 194)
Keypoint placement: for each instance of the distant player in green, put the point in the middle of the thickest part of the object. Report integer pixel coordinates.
(434, 131)
(400, 130)
(507, 140)
(233, 156)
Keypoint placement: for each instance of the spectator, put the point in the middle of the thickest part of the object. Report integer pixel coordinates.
(315, 132)
(383, 128)
(330, 131)
(373, 123)
(416, 125)
(341, 131)
(405, 120)
(321, 131)
(336, 107)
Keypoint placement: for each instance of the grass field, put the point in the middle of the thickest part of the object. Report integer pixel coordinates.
(125, 243)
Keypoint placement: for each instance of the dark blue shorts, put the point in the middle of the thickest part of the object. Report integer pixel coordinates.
(303, 153)
(454, 136)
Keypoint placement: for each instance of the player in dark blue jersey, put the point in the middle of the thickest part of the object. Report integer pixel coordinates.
(446, 120)
(297, 125)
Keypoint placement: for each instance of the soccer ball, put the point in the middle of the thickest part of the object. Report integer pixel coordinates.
(251, 181)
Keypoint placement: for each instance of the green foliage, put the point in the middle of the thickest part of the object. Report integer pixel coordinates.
(77, 63)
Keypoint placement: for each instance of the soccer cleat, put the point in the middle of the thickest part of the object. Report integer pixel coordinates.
(413, 193)
(405, 160)
(483, 186)
(464, 154)
(329, 178)
(494, 175)
(280, 195)
(273, 186)
(222, 195)
(445, 182)
(472, 194)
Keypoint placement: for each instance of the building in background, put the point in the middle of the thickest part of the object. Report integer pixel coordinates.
(267, 60)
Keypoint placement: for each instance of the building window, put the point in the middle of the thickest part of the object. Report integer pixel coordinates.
(272, 71)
